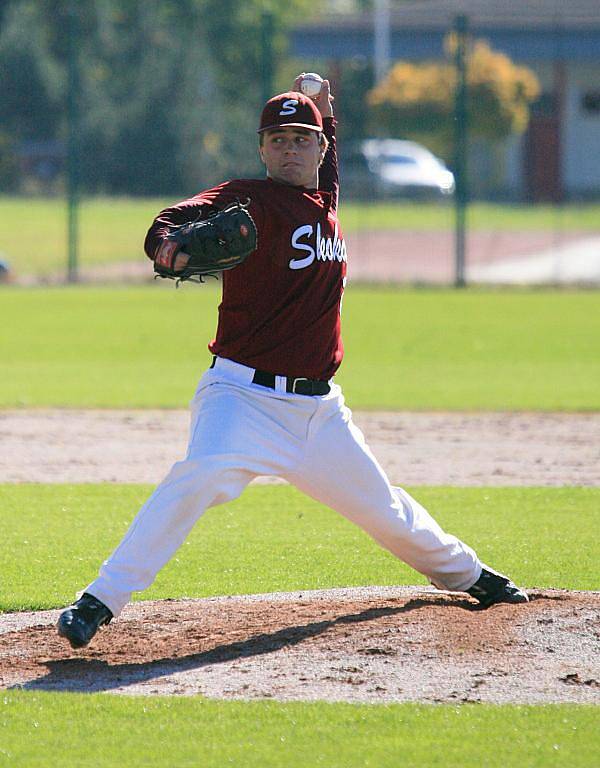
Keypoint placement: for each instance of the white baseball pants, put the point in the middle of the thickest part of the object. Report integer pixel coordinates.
(240, 430)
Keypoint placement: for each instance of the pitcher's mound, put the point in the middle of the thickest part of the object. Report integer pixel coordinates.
(373, 644)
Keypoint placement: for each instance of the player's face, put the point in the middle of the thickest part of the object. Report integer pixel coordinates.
(292, 156)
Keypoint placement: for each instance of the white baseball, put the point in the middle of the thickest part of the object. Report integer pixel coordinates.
(310, 84)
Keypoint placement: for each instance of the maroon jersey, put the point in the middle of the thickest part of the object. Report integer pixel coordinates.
(280, 310)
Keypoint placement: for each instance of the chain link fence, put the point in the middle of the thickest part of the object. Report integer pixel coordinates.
(87, 156)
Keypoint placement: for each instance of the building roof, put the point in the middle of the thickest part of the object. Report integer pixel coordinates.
(525, 29)
(485, 14)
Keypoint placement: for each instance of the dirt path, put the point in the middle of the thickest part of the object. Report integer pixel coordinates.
(358, 645)
(414, 448)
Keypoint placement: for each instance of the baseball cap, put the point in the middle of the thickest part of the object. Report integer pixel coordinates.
(290, 109)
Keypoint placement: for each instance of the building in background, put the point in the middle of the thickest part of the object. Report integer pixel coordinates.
(557, 158)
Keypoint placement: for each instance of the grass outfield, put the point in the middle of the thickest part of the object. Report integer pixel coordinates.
(405, 349)
(275, 539)
(113, 229)
(99, 731)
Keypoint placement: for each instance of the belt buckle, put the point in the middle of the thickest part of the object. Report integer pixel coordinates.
(295, 381)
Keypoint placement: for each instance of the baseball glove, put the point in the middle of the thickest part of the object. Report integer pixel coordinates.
(222, 241)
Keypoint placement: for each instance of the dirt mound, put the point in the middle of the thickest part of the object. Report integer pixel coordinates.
(370, 645)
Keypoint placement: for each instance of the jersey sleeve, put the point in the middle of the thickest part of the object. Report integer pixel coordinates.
(328, 173)
(199, 207)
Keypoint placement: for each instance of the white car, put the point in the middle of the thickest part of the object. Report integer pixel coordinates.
(405, 167)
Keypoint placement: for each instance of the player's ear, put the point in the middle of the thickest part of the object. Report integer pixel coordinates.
(261, 151)
(323, 146)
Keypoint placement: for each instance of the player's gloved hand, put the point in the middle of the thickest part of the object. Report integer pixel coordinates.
(214, 244)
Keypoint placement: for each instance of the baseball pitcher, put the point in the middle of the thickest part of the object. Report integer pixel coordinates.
(269, 404)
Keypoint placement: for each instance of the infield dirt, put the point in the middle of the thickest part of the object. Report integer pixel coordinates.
(87, 446)
(357, 645)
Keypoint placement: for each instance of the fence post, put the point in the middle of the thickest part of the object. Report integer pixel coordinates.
(73, 143)
(267, 28)
(460, 148)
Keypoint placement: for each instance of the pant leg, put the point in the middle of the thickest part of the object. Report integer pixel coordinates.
(340, 470)
(234, 437)
(162, 525)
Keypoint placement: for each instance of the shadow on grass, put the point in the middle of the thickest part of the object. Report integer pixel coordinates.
(94, 675)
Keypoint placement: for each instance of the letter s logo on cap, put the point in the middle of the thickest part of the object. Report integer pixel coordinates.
(289, 107)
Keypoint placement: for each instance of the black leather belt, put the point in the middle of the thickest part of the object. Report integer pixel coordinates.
(297, 386)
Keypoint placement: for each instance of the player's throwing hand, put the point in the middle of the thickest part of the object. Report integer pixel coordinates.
(323, 99)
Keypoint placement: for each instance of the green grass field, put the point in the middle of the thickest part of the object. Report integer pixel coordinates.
(405, 350)
(410, 349)
(55, 537)
(113, 229)
(275, 539)
(104, 731)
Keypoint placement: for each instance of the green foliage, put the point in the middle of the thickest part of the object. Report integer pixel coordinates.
(31, 82)
(434, 349)
(39, 728)
(417, 100)
(275, 539)
(164, 86)
(9, 167)
(29, 87)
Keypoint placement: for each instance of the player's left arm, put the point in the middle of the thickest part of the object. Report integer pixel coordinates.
(213, 231)
(157, 245)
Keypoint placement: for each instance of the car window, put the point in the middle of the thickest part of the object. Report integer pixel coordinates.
(399, 160)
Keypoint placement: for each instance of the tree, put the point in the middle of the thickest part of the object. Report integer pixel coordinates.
(169, 95)
(29, 89)
(417, 100)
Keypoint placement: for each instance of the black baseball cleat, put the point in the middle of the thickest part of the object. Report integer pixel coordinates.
(492, 587)
(80, 622)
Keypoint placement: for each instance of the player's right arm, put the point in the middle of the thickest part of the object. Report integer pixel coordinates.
(329, 180)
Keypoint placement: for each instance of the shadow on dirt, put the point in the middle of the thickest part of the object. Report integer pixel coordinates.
(94, 675)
